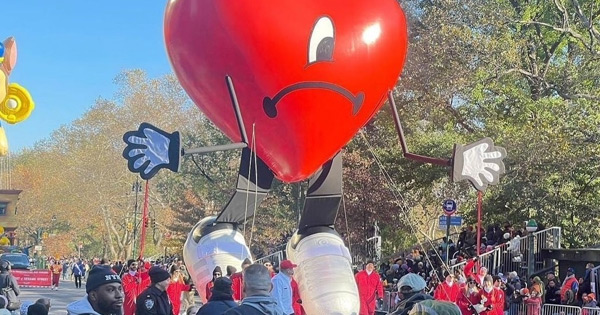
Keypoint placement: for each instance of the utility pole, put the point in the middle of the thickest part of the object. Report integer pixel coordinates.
(136, 188)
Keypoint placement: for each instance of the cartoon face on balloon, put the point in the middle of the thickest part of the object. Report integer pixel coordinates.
(307, 74)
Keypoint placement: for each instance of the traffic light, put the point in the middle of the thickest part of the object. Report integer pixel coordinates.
(146, 223)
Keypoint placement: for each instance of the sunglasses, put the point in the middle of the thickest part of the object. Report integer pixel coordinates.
(216, 274)
(268, 265)
(470, 281)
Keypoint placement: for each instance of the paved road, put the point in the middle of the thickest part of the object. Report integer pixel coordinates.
(60, 298)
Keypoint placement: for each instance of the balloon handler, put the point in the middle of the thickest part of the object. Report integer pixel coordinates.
(305, 89)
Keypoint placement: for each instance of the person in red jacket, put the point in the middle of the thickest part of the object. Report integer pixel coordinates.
(217, 273)
(296, 299)
(175, 288)
(468, 297)
(132, 287)
(447, 290)
(570, 284)
(490, 297)
(370, 288)
(472, 267)
(238, 281)
(501, 296)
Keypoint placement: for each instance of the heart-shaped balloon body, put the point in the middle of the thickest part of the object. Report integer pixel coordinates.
(307, 74)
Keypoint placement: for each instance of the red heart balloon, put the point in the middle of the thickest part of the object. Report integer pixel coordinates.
(308, 74)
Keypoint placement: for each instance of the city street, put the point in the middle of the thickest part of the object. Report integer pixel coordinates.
(59, 299)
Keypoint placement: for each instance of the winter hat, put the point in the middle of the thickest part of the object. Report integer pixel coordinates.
(395, 267)
(231, 270)
(100, 275)
(37, 309)
(222, 285)
(506, 236)
(217, 269)
(129, 262)
(591, 296)
(157, 274)
(246, 262)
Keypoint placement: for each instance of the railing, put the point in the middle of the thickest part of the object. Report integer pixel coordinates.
(595, 279)
(555, 309)
(501, 259)
(274, 258)
(590, 311)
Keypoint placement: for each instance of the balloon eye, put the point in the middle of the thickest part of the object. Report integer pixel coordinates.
(321, 41)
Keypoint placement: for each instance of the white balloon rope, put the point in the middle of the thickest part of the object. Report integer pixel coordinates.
(255, 182)
(402, 204)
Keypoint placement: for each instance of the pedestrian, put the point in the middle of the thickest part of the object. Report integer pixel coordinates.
(3, 303)
(176, 287)
(37, 309)
(447, 290)
(56, 270)
(238, 280)
(216, 274)
(78, 271)
(370, 288)
(132, 286)
(282, 290)
(104, 294)
(154, 300)
(8, 282)
(411, 289)
(257, 287)
(221, 299)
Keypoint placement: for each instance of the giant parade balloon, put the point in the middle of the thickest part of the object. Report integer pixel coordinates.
(307, 74)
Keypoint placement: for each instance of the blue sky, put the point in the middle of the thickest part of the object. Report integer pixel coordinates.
(71, 50)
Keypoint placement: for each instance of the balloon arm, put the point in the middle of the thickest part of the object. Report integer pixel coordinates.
(408, 155)
(236, 108)
(223, 147)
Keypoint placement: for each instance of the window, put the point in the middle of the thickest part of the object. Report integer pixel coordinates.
(3, 207)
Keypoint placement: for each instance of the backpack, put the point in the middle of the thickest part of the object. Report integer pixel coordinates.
(9, 293)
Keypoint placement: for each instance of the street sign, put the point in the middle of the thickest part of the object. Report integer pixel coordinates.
(454, 221)
(449, 207)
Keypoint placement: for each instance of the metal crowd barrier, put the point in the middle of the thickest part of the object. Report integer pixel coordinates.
(275, 258)
(590, 311)
(389, 302)
(555, 309)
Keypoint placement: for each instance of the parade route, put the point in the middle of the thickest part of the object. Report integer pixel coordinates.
(59, 299)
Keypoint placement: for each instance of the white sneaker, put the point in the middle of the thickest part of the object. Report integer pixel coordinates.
(324, 275)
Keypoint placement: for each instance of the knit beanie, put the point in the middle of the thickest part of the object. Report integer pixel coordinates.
(222, 285)
(217, 269)
(157, 274)
(231, 270)
(246, 262)
(100, 275)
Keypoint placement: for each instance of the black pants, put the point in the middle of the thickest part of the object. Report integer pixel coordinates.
(78, 281)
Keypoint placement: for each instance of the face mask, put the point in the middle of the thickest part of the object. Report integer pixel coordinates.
(132, 272)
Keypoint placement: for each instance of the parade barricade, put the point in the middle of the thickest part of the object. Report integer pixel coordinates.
(590, 311)
(555, 309)
(32, 278)
(389, 302)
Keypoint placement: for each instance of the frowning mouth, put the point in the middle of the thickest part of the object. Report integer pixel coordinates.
(270, 104)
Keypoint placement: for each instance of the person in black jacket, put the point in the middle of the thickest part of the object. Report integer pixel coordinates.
(7, 280)
(552, 293)
(154, 300)
(221, 299)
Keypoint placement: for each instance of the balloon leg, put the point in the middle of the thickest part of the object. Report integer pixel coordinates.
(324, 274)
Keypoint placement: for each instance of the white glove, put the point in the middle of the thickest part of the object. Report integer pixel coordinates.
(149, 149)
(479, 162)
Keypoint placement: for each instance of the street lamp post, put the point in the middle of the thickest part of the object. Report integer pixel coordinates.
(531, 227)
(136, 188)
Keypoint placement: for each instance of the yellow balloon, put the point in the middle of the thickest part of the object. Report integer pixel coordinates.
(3, 146)
(17, 105)
(4, 241)
(1, 229)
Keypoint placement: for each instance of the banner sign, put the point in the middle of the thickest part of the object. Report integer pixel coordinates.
(32, 278)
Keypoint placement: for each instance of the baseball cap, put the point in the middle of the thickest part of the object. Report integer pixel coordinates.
(287, 264)
(571, 270)
(410, 283)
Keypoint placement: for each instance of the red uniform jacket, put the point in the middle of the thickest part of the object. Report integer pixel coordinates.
(369, 288)
(209, 287)
(298, 309)
(444, 292)
(471, 268)
(493, 299)
(466, 299)
(132, 287)
(174, 292)
(237, 285)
